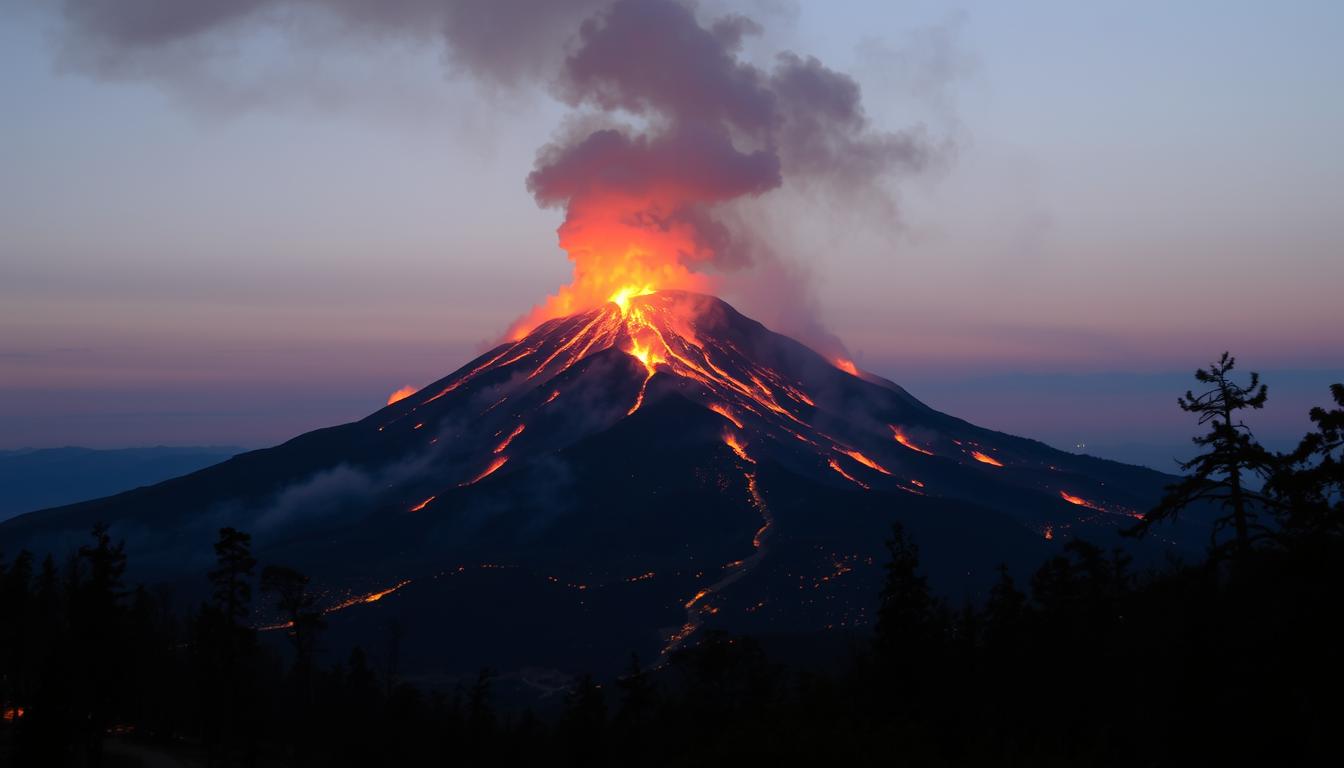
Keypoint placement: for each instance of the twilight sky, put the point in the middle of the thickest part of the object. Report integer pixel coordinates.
(269, 233)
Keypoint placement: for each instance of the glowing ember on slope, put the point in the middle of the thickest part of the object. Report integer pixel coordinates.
(864, 460)
(1079, 501)
(723, 411)
(372, 597)
(401, 394)
(984, 459)
(423, 504)
(846, 475)
(518, 430)
(905, 441)
(490, 470)
(846, 365)
(731, 441)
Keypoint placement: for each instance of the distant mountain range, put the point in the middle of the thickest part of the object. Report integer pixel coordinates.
(47, 477)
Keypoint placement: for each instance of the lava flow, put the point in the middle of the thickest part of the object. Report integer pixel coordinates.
(984, 458)
(905, 441)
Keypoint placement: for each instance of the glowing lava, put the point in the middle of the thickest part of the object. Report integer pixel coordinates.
(372, 597)
(401, 394)
(622, 297)
(1079, 501)
(731, 441)
(490, 470)
(846, 365)
(985, 459)
(864, 460)
(518, 430)
(841, 471)
(423, 504)
(723, 411)
(905, 441)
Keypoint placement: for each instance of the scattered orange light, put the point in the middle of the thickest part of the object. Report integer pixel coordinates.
(1049, 533)
(372, 597)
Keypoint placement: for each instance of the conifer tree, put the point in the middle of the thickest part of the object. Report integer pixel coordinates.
(1232, 456)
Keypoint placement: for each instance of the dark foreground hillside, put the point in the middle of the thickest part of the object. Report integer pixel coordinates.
(1087, 665)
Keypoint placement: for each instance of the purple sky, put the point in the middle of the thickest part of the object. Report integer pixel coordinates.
(255, 239)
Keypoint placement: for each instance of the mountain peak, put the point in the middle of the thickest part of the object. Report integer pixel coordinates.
(651, 465)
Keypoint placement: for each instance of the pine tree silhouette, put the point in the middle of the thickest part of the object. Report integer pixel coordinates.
(1309, 481)
(906, 609)
(1219, 474)
(233, 578)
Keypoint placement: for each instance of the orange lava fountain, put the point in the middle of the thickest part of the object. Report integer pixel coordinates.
(401, 394)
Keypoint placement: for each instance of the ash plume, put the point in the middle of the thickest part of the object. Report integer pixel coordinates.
(673, 131)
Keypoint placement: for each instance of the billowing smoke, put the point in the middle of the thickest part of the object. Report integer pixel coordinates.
(645, 207)
(673, 128)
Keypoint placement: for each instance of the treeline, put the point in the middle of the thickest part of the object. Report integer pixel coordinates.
(1223, 661)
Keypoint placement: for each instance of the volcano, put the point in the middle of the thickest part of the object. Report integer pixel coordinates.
(619, 480)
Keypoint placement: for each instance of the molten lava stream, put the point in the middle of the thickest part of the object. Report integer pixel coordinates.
(1079, 501)
(737, 570)
(723, 411)
(731, 441)
(490, 470)
(864, 460)
(905, 441)
(518, 430)
(986, 459)
(841, 471)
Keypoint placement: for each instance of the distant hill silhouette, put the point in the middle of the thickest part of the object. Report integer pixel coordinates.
(36, 478)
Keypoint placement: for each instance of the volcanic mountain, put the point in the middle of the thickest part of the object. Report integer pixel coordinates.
(618, 480)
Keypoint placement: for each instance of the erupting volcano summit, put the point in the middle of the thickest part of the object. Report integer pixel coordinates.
(617, 480)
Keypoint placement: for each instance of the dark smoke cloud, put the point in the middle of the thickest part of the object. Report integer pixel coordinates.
(716, 130)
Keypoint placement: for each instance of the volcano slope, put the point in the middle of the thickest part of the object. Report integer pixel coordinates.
(619, 480)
